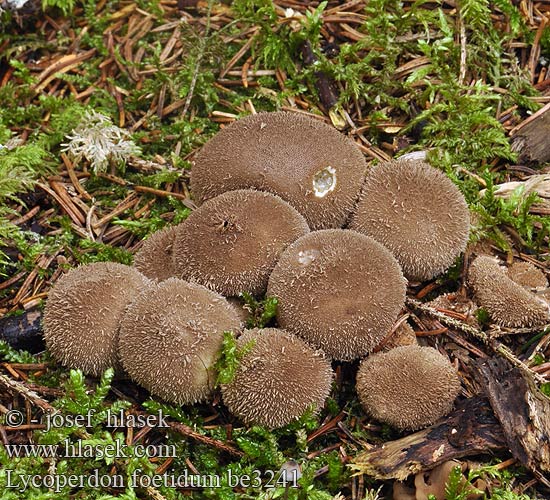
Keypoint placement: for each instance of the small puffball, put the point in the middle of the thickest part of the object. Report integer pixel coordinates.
(83, 311)
(508, 303)
(408, 387)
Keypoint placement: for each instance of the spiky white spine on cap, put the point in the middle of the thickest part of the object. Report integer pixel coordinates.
(408, 387)
(278, 380)
(507, 302)
(171, 336)
(308, 163)
(154, 259)
(339, 290)
(83, 311)
(232, 242)
(416, 212)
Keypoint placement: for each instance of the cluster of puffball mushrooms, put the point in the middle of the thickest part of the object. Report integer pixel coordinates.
(275, 191)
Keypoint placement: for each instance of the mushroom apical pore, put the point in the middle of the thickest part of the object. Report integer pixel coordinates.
(154, 259)
(416, 212)
(231, 243)
(507, 302)
(308, 163)
(170, 339)
(277, 380)
(83, 311)
(408, 387)
(339, 290)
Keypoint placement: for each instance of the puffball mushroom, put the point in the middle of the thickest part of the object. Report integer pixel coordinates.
(416, 212)
(232, 242)
(154, 259)
(508, 303)
(308, 163)
(527, 275)
(403, 335)
(339, 290)
(408, 387)
(277, 380)
(171, 336)
(83, 311)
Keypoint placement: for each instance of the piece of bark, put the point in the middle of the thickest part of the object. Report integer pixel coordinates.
(324, 84)
(24, 331)
(471, 429)
(530, 137)
(523, 411)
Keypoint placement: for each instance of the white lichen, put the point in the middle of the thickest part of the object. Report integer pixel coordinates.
(100, 142)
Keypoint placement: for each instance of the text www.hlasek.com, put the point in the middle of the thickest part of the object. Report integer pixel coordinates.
(81, 449)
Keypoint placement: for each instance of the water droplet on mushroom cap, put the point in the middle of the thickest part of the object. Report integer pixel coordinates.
(308, 163)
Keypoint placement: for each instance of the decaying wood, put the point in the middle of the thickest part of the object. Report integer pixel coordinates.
(325, 85)
(530, 138)
(538, 184)
(23, 332)
(523, 411)
(469, 430)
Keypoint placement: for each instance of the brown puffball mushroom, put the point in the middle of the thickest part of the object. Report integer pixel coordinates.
(308, 163)
(231, 243)
(527, 275)
(508, 303)
(83, 311)
(171, 336)
(403, 335)
(339, 290)
(416, 212)
(408, 387)
(277, 380)
(154, 258)
(240, 309)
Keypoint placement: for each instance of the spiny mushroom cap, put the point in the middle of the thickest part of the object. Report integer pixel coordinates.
(417, 213)
(508, 303)
(308, 163)
(403, 335)
(408, 387)
(154, 258)
(170, 338)
(232, 242)
(242, 312)
(83, 311)
(527, 275)
(339, 290)
(278, 380)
